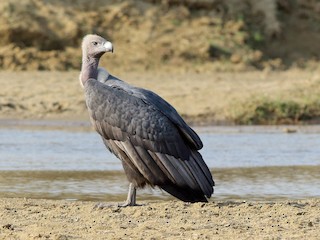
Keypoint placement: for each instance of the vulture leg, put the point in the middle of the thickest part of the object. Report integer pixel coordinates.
(131, 199)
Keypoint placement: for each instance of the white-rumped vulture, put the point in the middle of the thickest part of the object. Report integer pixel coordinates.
(155, 145)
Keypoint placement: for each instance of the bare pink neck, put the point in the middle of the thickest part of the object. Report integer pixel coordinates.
(89, 69)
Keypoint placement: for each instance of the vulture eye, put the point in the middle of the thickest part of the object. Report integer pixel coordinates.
(95, 43)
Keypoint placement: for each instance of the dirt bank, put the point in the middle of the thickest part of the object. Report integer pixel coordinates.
(149, 34)
(47, 219)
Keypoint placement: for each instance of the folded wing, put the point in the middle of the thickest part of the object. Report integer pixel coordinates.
(154, 143)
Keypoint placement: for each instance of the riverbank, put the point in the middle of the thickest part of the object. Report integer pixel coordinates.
(51, 219)
(288, 97)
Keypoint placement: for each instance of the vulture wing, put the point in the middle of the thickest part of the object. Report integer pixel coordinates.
(155, 145)
(157, 102)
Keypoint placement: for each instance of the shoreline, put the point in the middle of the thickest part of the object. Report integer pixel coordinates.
(85, 125)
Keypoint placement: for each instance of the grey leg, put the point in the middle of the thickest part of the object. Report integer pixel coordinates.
(131, 199)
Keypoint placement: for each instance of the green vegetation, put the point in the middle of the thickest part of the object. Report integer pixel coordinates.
(266, 111)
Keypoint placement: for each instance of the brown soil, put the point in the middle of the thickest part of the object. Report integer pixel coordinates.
(202, 35)
(47, 219)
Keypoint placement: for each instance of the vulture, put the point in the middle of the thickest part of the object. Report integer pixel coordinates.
(155, 145)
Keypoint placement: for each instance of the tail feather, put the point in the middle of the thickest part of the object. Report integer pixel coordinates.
(185, 194)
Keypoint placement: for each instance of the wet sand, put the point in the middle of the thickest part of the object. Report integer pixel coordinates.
(47, 219)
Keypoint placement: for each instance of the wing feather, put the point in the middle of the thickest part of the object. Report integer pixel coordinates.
(199, 176)
(205, 170)
(163, 166)
(174, 172)
(159, 176)
(146, 126)
(163, 106)
(184, 171)
(135, 158)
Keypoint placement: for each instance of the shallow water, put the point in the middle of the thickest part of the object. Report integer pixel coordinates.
(66, 160)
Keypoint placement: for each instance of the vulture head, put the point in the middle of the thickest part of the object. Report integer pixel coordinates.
(94, 46)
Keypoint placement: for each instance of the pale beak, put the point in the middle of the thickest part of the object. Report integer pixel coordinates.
(108, 46)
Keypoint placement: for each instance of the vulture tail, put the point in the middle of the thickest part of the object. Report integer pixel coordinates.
(198, 185)
(185, 194)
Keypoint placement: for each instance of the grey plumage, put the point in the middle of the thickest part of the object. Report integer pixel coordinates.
(146, 133)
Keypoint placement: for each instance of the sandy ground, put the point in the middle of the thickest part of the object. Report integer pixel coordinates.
(202, 98)
(47, 219)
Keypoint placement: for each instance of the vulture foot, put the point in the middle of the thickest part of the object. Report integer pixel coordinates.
(131, 199)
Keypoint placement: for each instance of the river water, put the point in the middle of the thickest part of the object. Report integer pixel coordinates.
(67, 160)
